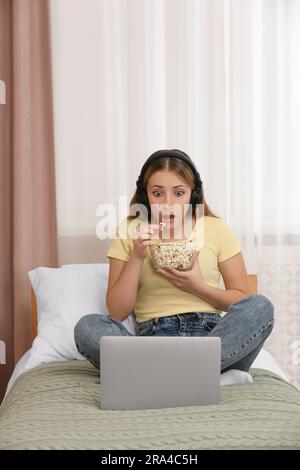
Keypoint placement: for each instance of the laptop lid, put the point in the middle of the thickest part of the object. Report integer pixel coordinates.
(146, 372)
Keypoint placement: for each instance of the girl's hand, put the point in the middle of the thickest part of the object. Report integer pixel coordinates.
(143, 239)
(189, 281)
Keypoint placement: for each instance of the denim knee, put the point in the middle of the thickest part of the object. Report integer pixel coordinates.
(264, 309)
(84, 327)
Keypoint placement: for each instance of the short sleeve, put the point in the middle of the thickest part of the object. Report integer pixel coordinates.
(228, 242)
(121, 246)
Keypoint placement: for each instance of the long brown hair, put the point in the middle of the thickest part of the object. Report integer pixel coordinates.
(180, 167)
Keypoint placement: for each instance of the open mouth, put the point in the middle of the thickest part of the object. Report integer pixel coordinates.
(168, 218)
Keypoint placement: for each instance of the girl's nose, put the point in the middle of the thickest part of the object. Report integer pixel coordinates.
(168, 200)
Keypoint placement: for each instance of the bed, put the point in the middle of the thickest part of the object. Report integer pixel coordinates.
(57, 405)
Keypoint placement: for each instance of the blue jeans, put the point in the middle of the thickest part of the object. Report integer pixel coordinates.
(243, 330)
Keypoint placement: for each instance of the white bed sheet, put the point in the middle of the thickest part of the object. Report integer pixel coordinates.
(264, 360)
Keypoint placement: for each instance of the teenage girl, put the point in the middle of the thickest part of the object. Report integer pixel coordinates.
(171, 302)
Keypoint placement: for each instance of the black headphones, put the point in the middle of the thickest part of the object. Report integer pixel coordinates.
(141, 192)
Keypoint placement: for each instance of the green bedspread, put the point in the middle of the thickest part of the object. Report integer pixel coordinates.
(57, 406)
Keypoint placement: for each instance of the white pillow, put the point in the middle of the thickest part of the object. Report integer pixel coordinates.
(64, 295)
(235, 376)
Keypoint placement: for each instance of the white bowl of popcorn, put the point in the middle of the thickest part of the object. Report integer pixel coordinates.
(174, 254)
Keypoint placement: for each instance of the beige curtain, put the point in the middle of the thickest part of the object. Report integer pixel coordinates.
(28, 234)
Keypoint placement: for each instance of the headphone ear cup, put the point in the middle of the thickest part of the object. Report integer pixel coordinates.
(196, 197)
(145, 199)
(142, 198)
(200, 194)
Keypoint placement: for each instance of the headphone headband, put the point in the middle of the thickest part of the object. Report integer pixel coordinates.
(167, 154)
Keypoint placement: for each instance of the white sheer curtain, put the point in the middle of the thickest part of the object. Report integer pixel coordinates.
(219, 79)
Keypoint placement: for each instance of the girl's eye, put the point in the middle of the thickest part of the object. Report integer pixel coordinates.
(158, 194)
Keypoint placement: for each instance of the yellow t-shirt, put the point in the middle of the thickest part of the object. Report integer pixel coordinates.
(159, 297)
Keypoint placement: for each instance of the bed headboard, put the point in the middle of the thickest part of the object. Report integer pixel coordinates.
(252, 280)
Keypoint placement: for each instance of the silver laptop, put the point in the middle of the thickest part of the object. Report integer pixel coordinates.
(146, 372)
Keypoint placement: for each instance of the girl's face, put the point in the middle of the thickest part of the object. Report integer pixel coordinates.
(167, 193)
